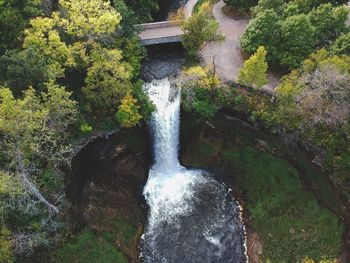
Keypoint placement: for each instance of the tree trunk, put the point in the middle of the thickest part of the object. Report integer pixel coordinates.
(30, 186)
(35, 192)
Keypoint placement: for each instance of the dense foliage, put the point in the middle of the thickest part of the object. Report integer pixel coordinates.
(14, 17)
(34, 144)
(254, 70)
(203, 92)
(66, 67)
(291, 31)
(313, 106)
(199, 29)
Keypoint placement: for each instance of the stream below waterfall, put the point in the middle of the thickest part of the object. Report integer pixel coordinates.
(192, 216)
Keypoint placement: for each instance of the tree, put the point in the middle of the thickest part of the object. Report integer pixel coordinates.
(263, 30)
(263, 5)
(254, 70)
(312, 107)
(317, 95)
(342, 45)
(34, 142)
(298, 38)
(129, 19)
(202, 92)
(107, 81)
(62, 41)
(23, 69)
(329, 23)
(14, 17)
(241, 4)
(81, 46)
(33, 128)
(291, 30)
(128, 112)
(144, 9)
(199, 29)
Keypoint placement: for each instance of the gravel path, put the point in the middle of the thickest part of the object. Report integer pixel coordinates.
(227, 54)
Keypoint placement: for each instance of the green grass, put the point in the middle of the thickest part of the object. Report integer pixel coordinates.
(89, 248)
(289, 220)
(122, 229)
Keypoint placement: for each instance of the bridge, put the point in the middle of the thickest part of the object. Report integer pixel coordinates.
(159, 33)
(164, 32)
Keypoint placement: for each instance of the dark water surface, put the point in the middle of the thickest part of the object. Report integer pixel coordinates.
(210, 232)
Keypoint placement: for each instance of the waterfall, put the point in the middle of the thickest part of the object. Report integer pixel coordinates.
(192, 217)
(164, 125)
(168, 182)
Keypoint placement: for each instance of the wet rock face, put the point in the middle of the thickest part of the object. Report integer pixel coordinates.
(107, 180)
(163, 60)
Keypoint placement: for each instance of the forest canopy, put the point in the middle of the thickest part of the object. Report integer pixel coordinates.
(291, 31)
(66, 68)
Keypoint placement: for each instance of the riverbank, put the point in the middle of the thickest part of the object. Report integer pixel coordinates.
(266, 184)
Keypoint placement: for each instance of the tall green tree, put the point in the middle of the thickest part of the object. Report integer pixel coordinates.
(254, 70)
(298, 38)
(199, 29)
(263, 5)
(263, 30)
(329, 23)
(107, 81)
(129, 19)
(291, 30)
(128, 112)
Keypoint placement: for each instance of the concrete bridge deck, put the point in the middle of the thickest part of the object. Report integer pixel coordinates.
(159, 33)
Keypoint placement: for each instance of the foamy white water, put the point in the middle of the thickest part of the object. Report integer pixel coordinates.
(169, 184)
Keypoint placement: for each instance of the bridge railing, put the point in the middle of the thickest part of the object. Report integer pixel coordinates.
(157, 25)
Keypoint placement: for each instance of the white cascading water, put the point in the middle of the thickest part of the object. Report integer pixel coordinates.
(168, 186)
(192, 217)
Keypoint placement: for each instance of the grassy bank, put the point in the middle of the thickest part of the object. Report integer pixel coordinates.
(291, 221)
(90, 246)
